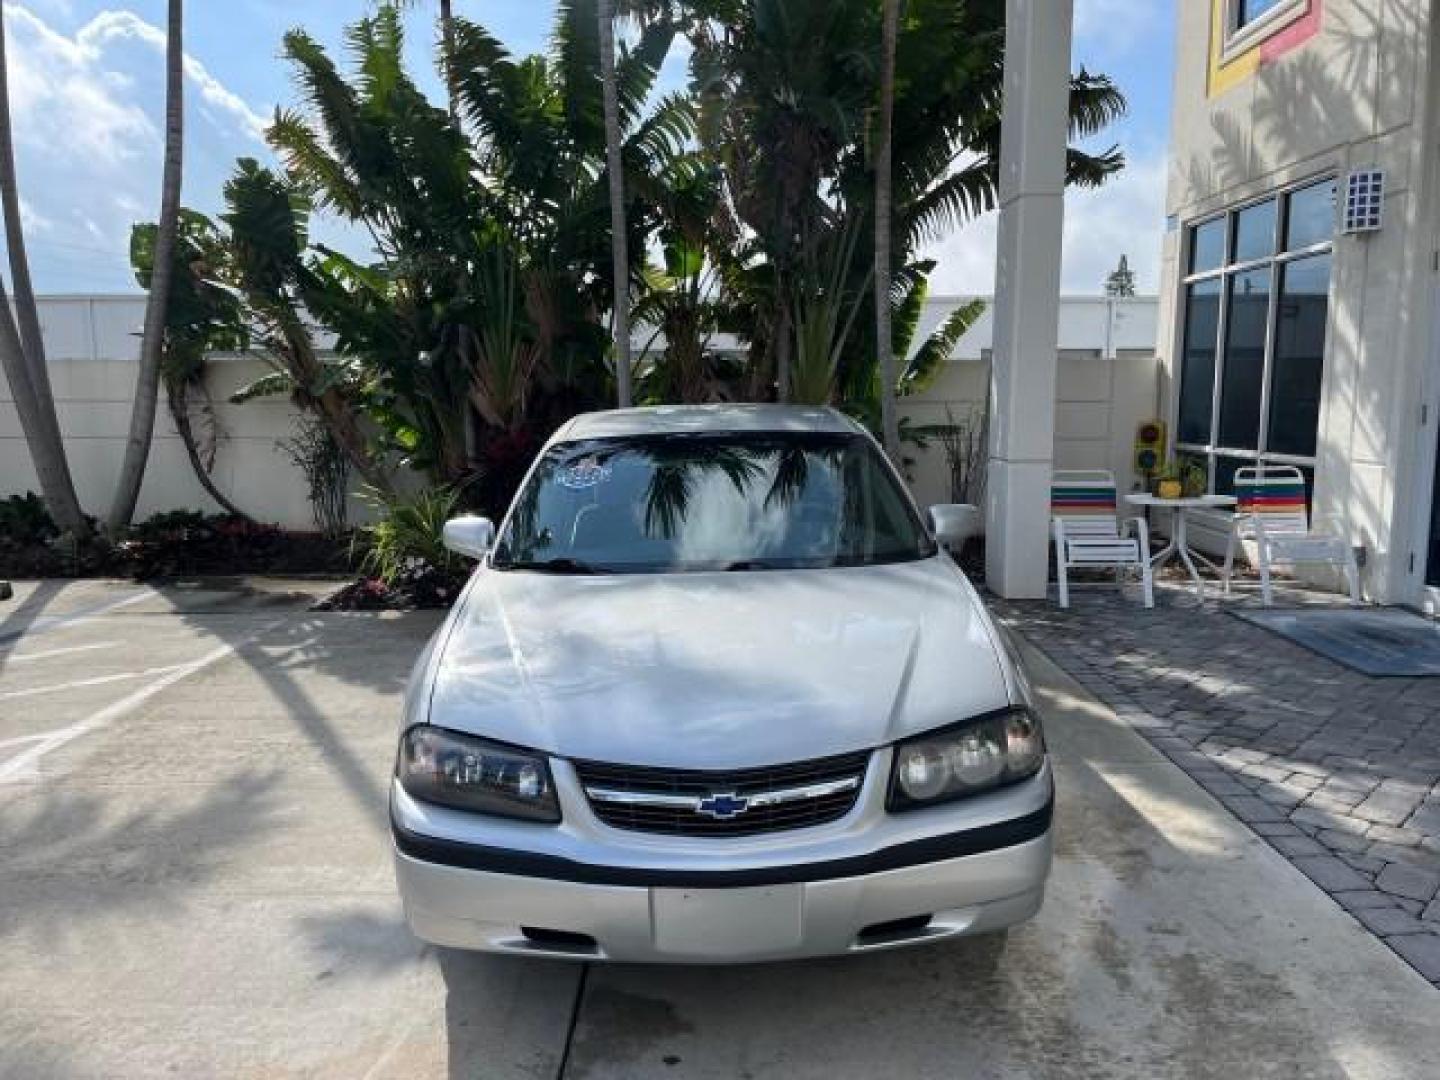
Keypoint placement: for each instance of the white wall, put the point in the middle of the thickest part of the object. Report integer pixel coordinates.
(1100, 403)
(1106, 388)
(1107, 385)
(92, 344)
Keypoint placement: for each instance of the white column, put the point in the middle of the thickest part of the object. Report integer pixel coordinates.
(1027, 295)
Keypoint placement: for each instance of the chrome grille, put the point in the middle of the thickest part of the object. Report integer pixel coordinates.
(693, 802)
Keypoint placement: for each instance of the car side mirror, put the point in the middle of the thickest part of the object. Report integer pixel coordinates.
(955, 523)
(469, 535)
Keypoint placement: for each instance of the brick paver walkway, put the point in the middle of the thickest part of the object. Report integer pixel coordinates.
(1340, 772)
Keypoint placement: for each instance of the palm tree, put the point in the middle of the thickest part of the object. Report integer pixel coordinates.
(147, 381)
(268, 221)
(620, 256)
(201, 316)
(447, 48)
(447, 38)
(22, 349)
(884, 343)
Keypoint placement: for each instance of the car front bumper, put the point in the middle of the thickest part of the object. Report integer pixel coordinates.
(584, 891)
(475, 909)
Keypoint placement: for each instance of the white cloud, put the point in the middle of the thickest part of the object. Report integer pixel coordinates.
(87, 109)
(63, 100)
(1126, 217)
(112, 26)
(32, 220)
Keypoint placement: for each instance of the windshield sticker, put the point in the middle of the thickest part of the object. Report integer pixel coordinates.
(587, 473)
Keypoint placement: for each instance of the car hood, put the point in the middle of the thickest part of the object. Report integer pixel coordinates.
(716, 670)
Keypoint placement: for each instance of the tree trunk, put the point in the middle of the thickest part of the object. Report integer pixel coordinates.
(47, 453)
(884, 339)
(618, 246)
(332, 408)
(447, 35)
(180, 412)
(22, 349)
(784, 345)
(147, 380)
(338, 415)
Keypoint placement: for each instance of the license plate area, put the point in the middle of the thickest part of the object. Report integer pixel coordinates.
(727, 922)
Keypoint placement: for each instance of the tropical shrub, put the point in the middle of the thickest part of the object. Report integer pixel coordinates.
(188, 542)
(409, 535)
(478, 322)
(25, 521)
(326, 469)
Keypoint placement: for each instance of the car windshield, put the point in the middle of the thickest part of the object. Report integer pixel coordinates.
(675, 503)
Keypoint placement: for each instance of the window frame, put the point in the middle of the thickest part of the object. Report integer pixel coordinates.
(1210, 451)
(1240, 39)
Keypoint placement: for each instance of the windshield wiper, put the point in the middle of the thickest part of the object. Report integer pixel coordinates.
(554, 566)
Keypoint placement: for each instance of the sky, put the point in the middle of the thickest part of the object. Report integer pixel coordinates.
(87, 100)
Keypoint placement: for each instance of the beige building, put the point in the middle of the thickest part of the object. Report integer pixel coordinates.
(1299, 295)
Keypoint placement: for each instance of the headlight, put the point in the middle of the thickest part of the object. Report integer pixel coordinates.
(978, 755)
(466, 773)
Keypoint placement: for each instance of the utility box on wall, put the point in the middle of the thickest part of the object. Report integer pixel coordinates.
(1364, 201)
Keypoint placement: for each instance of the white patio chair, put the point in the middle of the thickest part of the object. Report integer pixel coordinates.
(1271, 511)
(1084, 521)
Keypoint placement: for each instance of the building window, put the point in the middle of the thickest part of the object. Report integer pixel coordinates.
(1256, 305)
(1248, 22)
(1247, 11)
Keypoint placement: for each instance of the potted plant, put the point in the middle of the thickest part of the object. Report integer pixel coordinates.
(1194, 478)
(1168, 483)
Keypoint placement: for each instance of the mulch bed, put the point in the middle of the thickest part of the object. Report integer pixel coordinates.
(182, 545)
(422, 588)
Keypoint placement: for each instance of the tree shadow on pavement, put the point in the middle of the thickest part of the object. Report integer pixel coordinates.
(22, 615)
(66, 861)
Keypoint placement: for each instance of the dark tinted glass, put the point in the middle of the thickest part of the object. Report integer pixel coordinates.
(1197, 369)
(657, 504)
(1432, 571)
(1225, 473)
(1310, 216)
(1247, 11)
(1299, 356)
(1207, 246)
(1254, 232)
(1243, 372)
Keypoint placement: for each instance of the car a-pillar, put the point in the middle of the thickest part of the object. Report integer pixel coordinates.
(1033, 143)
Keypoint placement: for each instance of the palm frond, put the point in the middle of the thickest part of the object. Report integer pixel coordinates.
(957, 199)
(1092, 170)
(1095, 103)
(309, 163)
(930, 359)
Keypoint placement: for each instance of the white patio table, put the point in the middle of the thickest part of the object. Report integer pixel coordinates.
(1179, 542)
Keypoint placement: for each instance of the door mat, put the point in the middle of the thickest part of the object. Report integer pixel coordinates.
(1381, 642)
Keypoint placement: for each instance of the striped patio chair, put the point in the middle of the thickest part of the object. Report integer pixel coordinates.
(1085, 523)
(1271, 512)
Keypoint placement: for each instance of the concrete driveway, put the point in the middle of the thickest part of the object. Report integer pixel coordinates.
(195, 880)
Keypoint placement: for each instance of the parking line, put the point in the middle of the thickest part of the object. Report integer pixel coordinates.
(21, 658)
(20, 739)
(98, 680)
(26, 763)
(46, 623)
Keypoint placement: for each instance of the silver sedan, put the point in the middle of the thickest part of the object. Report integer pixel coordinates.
(716, 694)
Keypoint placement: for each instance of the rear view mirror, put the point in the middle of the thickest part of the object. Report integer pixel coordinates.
(955, 523)
(469, 535)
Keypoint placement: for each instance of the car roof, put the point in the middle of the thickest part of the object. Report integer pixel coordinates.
(675, 419)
